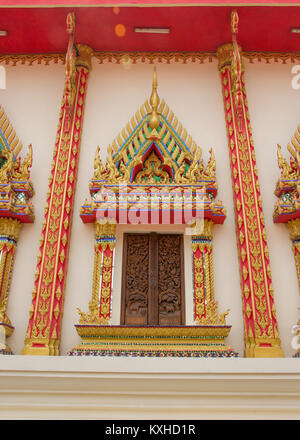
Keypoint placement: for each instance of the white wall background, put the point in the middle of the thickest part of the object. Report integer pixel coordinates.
(193, 91)
(274, 112)
(32, 100)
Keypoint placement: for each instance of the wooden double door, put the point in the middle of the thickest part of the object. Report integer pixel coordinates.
(153, 280)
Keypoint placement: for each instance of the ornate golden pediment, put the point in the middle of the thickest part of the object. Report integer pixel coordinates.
(287, 189)
(154, 130)
(15, 182)
(154, 153)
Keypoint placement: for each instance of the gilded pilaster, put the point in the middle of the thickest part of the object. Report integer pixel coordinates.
(44, 328)
(294, 229)
(205, 306)
(260, 324)
(100, 305)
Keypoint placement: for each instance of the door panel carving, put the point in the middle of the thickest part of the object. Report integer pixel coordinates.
(137, 275)
(153, 280)
(169, 279)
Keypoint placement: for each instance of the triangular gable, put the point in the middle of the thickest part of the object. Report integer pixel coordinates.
(155, 129)
(8, 138)
(153, 154)
(16, 188)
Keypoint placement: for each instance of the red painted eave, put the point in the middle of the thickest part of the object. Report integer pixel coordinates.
(106, 3)
(192, 28)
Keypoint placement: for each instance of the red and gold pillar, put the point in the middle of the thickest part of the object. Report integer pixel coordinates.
(44, 328)
(100, 305)
(260, 324)
(205, 306)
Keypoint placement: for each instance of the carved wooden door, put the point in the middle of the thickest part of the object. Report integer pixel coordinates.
(153, 280)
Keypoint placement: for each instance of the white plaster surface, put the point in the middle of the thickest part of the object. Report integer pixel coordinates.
(39, 387)
(193, 91)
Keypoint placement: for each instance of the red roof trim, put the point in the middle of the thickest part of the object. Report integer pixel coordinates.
(157, 3)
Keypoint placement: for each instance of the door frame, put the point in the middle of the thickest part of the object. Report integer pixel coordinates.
(153, 290)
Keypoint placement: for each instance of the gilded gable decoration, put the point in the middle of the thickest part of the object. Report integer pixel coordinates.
(153, 149)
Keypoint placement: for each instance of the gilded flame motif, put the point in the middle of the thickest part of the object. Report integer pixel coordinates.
(153, 149)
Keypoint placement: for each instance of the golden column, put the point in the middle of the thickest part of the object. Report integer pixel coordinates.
(100, 305)
(260, 324)
(45, 316)
(206, 308)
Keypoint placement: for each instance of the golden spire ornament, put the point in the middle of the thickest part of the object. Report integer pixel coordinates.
(154, 101)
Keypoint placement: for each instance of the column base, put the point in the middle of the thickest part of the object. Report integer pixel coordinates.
(263, 348)
(5, 349)
(5, 331)
(153, 341)
(41, 347)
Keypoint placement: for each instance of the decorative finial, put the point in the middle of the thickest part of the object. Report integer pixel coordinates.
(236, 71)
(154, 101)
(234, 22)
(70, 23)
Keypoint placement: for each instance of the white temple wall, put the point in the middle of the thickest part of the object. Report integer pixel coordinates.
(31, 100)
(115, 92)
(274, 113)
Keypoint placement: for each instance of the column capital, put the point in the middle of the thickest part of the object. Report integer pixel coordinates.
(10, 227)
(202, 228)
(294, 229)
(84, 56)
(104, 229)
(224, 55)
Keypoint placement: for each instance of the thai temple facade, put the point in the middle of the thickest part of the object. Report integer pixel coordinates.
(149, 209)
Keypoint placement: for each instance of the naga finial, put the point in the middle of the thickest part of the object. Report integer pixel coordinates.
(70, 70)
(154, 101)
(234, 22)
(70, 23)
(236, 71)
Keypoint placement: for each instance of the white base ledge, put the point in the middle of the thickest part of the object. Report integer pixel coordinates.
(41, 387)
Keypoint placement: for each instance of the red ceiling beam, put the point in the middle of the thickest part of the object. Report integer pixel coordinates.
(107, 3)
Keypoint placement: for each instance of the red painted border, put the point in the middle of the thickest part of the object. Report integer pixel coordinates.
(103, 3)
